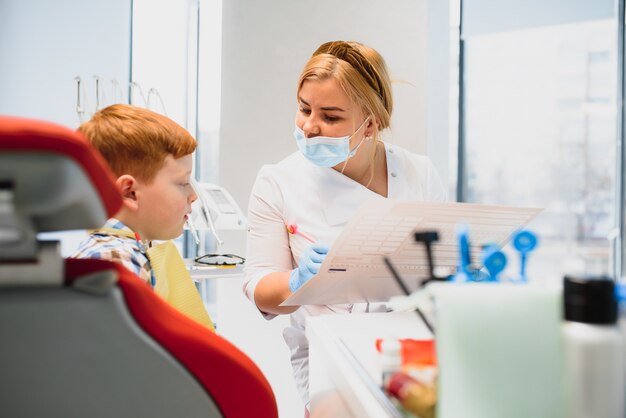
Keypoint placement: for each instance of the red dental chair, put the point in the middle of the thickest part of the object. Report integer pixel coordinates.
(86, 338)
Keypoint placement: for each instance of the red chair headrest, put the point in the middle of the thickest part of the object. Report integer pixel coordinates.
(58, 180)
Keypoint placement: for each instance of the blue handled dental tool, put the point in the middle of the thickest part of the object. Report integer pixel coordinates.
(463, 273)
(494, 261)
(524, 242)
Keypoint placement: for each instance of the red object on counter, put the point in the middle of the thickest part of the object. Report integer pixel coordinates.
(415, 397)
(419, 352)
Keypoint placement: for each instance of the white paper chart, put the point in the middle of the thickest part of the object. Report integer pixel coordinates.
(354, 270)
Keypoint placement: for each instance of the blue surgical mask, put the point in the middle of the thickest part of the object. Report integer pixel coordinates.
(326, 151)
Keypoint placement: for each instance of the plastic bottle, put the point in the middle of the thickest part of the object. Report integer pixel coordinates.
(594, 350)
(390, 357)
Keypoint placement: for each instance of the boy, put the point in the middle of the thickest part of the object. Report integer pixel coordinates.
(151, 157)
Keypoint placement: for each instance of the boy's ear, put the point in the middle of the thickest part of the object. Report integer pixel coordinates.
(127, 185)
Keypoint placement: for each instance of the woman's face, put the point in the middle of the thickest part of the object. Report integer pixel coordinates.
(324, 109)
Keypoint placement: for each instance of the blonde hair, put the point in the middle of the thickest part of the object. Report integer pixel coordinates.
(135, 140)
(362, 74)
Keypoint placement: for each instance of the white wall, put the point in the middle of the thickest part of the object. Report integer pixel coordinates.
(438, 92)
(265, 45)
(45, 44)
(161, 56)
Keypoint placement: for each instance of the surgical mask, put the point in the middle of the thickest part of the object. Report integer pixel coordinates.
(326, 151)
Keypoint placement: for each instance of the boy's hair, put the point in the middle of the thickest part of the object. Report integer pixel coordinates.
(136, 141)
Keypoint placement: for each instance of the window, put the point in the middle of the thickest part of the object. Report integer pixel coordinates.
(540, 127)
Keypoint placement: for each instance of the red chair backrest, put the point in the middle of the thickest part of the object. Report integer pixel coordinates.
(229, 377)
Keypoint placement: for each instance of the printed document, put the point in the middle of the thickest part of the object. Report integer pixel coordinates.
(354, 270)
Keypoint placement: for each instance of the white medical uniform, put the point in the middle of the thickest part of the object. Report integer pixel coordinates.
(320, 201)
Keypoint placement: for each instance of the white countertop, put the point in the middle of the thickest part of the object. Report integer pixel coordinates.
(345, 372)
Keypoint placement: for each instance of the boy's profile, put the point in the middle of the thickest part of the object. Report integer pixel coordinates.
(151, 158)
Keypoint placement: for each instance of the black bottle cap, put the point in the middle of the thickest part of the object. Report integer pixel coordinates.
(590, 299)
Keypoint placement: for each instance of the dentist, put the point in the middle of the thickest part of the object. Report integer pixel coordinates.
(344, 102)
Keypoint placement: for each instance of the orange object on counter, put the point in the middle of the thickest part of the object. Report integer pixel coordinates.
(415, 352)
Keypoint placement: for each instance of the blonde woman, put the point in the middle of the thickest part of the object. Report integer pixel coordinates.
(344, 102)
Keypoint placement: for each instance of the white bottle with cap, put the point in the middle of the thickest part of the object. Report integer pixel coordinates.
(594, 350)
(390, 357)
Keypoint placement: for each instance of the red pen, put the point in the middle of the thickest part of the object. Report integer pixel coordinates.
(293, 229)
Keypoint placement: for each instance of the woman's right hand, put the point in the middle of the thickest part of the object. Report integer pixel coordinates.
(308, 265)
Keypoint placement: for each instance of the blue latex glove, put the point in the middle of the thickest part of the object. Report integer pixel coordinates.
(308, 266)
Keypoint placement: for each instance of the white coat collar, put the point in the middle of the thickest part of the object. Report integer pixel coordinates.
(340, 196)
